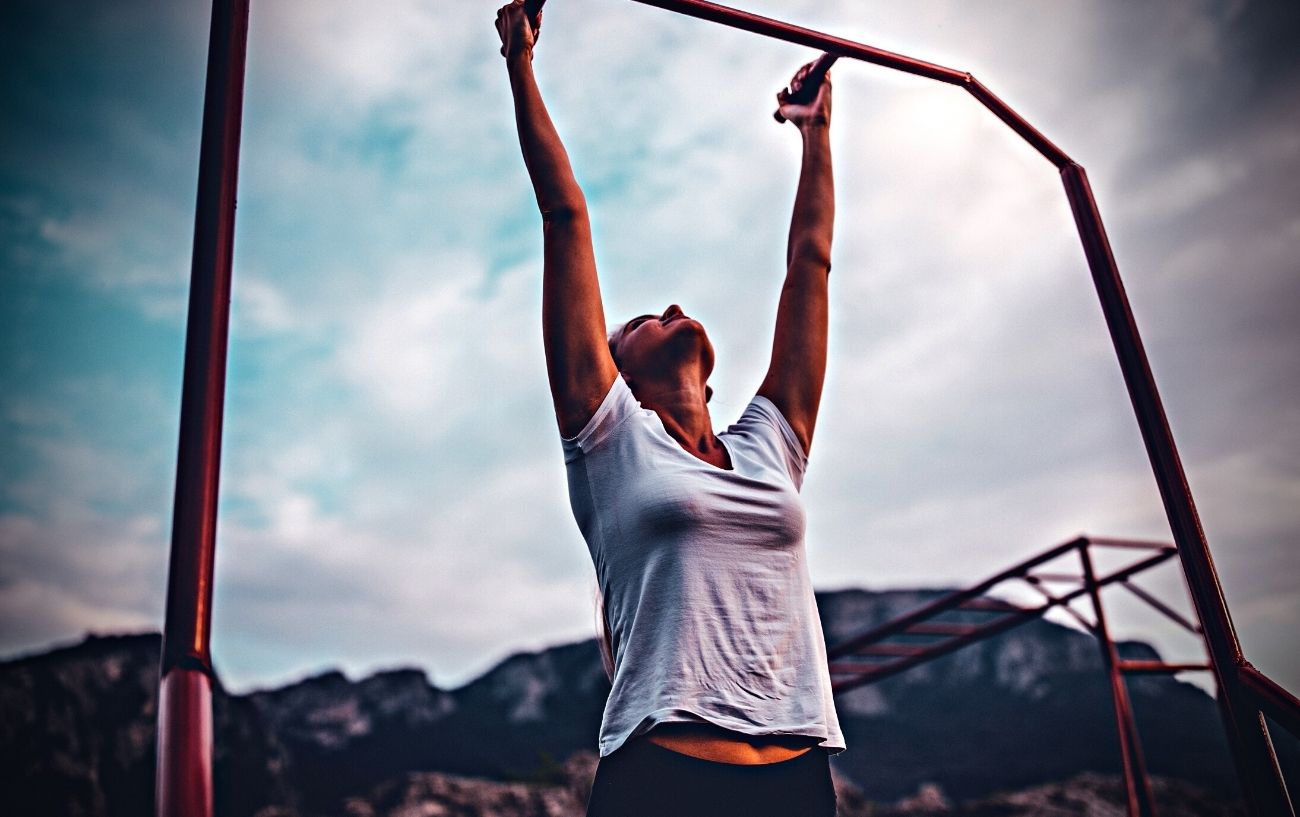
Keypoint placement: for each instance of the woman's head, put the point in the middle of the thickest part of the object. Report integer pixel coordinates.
(662, 349)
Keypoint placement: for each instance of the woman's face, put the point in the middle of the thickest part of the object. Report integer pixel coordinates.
(659, 344)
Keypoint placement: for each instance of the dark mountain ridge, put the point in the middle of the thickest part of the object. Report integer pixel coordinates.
(1029, 707)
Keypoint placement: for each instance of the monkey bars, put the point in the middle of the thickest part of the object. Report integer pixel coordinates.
(964, 617)
(184, 778)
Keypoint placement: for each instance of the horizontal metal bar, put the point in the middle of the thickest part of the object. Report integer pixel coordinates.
(981, 605)
(1139, 544)
(1054, 577)
(895, 649)
(852, 667)
(1159, 667)
(939, 628)
(840, 47)
(768, 27)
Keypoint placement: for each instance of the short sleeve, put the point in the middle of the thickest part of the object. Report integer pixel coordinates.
(763, 413)
(618, 405)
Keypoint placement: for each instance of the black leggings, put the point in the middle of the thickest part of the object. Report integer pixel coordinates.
(643, 779)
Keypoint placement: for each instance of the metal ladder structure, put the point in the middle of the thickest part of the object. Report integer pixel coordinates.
(964, 617)
(184, 775)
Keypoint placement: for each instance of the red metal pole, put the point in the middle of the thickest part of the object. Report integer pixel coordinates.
(184, 771)
(1136, 783)
(768, 27)
(1252, 749)
(1016, 122)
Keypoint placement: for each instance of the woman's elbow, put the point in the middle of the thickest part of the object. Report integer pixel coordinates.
(811, 255)
(565, 212)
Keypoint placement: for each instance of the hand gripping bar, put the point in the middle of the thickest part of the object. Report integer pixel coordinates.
(806, 91)
(532, 8)
(800, 94)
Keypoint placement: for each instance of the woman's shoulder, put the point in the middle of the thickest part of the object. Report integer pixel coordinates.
(763, 422)
(618, 405)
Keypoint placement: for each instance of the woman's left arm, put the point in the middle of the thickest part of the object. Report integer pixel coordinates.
(798, 368)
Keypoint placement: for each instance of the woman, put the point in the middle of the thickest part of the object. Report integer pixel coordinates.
(721, 701)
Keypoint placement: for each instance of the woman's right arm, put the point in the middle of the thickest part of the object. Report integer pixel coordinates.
(578, 361)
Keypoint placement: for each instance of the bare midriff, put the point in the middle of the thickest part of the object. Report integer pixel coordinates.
(709, 742)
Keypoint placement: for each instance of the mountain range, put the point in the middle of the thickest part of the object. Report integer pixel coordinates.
(1028, 708)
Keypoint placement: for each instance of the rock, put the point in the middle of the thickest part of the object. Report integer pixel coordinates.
(928, 799)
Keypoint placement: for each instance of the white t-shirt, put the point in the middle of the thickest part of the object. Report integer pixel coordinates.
(704, 575)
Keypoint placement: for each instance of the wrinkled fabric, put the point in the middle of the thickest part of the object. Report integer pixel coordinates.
(704, 575)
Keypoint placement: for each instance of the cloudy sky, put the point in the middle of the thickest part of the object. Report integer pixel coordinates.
(393, 490)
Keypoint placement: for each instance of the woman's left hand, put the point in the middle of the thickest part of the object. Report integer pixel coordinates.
(518, 36)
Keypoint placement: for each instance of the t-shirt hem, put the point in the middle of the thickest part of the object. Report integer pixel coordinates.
(832, 742)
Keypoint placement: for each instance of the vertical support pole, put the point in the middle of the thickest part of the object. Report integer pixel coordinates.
(184, 770)
(1252, 750)
(1137, 784)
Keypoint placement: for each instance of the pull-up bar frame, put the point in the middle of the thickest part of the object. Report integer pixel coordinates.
(184, 778)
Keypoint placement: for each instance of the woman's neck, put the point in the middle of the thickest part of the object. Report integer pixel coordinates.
(684, 411)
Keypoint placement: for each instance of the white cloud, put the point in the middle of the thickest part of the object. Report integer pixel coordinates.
(393, 489)
(443, 339)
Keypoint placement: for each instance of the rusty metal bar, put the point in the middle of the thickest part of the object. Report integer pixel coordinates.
(940, 628)
(1016, 122)
(1252, 749)
(904, 650)
(988, 606)
(1157, 667)
(743, 20)
(1135, 544)
(852, 667)
(1169, 612)
(838, 47)
(1137, 784)
(184, 764)
(1055, 577)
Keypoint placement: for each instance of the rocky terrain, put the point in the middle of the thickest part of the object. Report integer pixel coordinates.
(1019, 713)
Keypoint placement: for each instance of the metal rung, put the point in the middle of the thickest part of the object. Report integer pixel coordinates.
(1158, 666)
(940, 628)
(987, 605)
(854, 668)
(904, 650)
(1054, 577)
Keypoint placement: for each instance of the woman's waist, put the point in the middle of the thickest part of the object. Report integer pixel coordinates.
(708, 741)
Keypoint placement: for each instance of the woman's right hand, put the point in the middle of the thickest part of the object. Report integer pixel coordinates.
(517, 34)
(815, 111)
